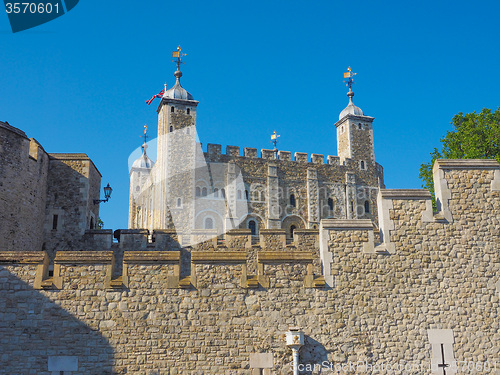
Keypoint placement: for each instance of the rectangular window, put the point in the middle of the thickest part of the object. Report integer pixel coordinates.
(54, 221)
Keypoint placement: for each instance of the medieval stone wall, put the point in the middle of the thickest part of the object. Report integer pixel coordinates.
(23, 184)
(207, 308)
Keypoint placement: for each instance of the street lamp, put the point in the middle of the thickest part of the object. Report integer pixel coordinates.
(107, 193)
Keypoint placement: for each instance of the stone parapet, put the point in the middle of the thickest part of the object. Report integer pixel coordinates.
(98, 239)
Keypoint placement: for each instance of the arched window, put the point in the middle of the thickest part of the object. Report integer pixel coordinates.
(292, 228)
(263, 196)
(204, 192)
(252, 225)
(91, 223)
(330, 204)
(188, 111)
(246, 195)
(292, 200)
(172, 109)
(256, 196)
(216, 193)
(223, 193)
(179, 202)
(209, 223)
(367, 207)
(238, 194)
(362, 164)
(360, 126)
(198, 191)
(171, 129)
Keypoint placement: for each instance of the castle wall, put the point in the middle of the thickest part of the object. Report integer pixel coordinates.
(378, 304)
(23, 184)
(73, 184)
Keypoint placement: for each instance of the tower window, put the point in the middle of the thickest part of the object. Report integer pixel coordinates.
(55, 218)
(204, 192)
(360, 126)
(292, 228)
(179, 202)
(209, 223)
(362, 165)
(137, 188)
(198, 191)
(172, 109)
(171, 129)
(330, 204)
(91, 223)
(252, 225)
(216, 193)
(223, 193)
(188, 111)
(188, 132)
(367, 207)
(293, 203)
(246, 195)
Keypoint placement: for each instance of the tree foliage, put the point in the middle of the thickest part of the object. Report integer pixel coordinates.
(474, 136)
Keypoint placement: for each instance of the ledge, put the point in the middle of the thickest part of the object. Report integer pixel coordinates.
(406, 193)
(362, 224)
(284, 256)
(218, 256)
(142, 257)
(84, 257)
(22, 257)
(466, 164)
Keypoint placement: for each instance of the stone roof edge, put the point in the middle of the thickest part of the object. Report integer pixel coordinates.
(466, 164)
(72, 156)
(13, 129)
(406, 193)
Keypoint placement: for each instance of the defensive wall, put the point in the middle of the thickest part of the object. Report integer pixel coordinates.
(383, 296)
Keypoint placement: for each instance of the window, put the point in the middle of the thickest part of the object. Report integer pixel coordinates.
(204, 192)
(292, 228)
(367, 207)
(292, 200)
(171, 129)
(188, 111)
(362, 165)
(360, 126)
(91, 223)
(179, 202)
(198, 191)
(330, 204)
(263, 196)
(209, 223)
(172, 109)
(55, 218)
(246, 195)
(223, 193)
(216, 193)
(137, 188)
(252, 225)
(188, 132)
(239, 194)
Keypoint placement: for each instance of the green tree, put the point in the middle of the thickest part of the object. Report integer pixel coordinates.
(474, 136)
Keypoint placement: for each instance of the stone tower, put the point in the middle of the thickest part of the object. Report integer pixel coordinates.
(139, 174)
(355, 135)
(177, 150)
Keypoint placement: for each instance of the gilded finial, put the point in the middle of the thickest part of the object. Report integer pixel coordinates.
(145, 136)
(274, 141)
(349, 75)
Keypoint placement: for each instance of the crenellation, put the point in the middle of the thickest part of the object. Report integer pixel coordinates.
(317, 159)
(132, 239)
(284, 155)
(333, 160)
(301, 157)
(233, 151)
(268, 154)
(249, 152)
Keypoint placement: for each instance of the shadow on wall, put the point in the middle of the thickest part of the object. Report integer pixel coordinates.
(33, 329)
(312, 357)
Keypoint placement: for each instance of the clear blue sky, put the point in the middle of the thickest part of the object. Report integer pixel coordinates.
(78, 83)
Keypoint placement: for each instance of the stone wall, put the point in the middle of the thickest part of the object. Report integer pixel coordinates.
(23, 185)
(371, 302)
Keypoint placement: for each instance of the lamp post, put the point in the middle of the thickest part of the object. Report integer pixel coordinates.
(107, 194)
(295, 340)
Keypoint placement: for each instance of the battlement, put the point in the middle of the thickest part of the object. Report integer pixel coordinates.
(214, 153)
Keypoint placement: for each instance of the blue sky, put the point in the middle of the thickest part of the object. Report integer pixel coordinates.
(78, 83)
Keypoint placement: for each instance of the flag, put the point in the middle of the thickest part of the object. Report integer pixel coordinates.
(159, 95)
(347, 75)
(176, 54)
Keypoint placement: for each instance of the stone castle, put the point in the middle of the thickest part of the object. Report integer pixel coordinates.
(244, 265)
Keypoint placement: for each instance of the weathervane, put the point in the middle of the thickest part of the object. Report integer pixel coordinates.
(178, 55)
(349, 75)
(274, 141)
(146, 136)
